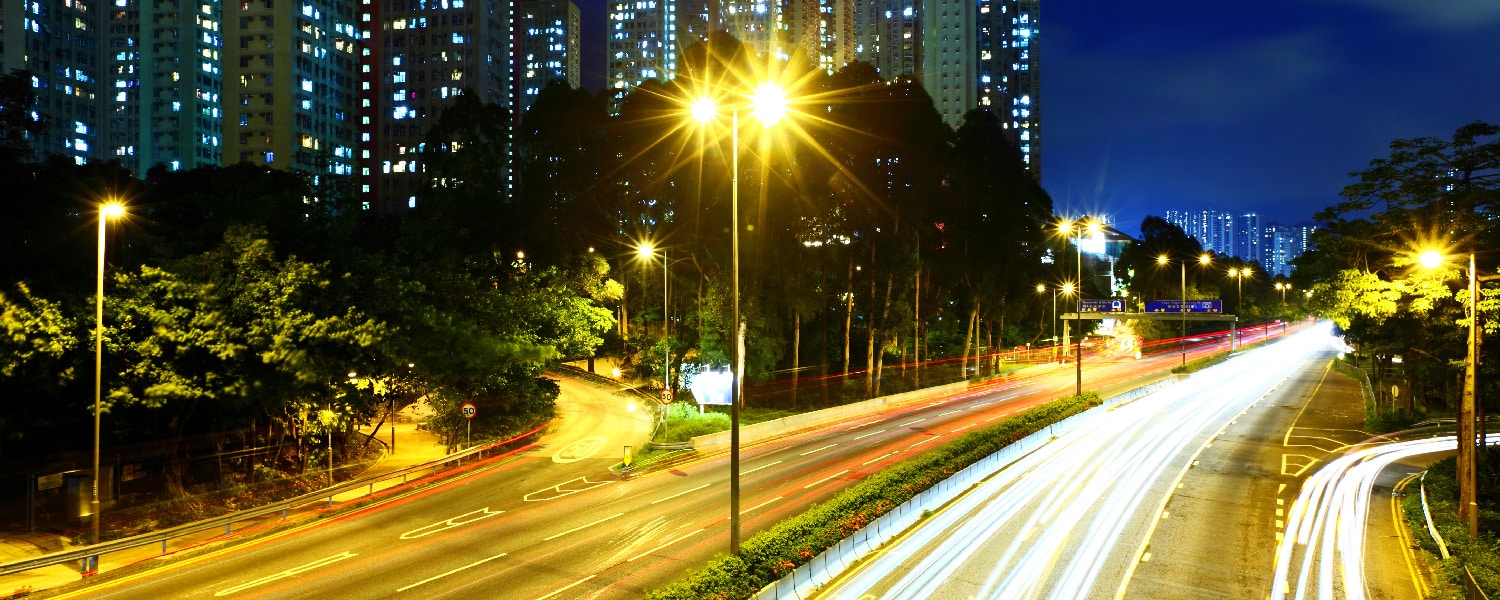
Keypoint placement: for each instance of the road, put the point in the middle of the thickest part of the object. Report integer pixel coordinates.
(1177, 495)
(550, 522)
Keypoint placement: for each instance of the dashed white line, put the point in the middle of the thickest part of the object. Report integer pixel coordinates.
(876, 458)
(759, 468)
(758, 505)
(950, 412)
(871, 433)
(567, 587)
(580, 527)
(921, 442)
(437, 577)
(833, 476)
(653, 503)
(818, 450)
(962, 428)
(913, 422)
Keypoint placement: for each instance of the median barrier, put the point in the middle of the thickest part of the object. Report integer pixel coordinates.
(763, 431)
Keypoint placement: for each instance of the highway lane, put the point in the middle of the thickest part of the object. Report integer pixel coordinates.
(1326, 552)
(1073, 519)
(532, 526)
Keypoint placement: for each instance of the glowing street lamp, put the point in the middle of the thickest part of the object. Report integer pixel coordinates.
(1202, 260)
(1468, 479)
(768, 104)
(1283, 287)
(645, 252)
(1076, 229)
(108, 210)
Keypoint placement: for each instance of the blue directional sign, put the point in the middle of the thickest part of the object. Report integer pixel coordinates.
(1193, 306)
(1105, 305)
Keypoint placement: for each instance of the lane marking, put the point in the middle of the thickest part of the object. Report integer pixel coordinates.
(962, 428)
(877, 458)
(950, 412)
(759, 468)
(681, 493)
(664, 545)
(871, 433)
(437, 577)
(818, 450)
(579, 450)
(833, 476)
(921, 442)
(567, 587)
(292, 572)
(758, 505)
(913, 422)
(561, 489)
(458, 521)
(548, 539)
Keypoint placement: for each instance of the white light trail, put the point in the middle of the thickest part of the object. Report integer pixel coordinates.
(1069, 519)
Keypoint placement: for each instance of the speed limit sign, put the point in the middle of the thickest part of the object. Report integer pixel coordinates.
(666, 396)
(468, 409)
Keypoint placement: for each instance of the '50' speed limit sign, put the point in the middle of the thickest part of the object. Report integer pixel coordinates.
(468, 409)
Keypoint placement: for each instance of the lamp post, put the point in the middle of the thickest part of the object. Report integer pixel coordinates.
(645, 251)
(1468, 479)
(1076, 227)
(1239, 298)
(107, 210)
(1283, 287)
(768, 103)
(1183, 310)
(1066, 288)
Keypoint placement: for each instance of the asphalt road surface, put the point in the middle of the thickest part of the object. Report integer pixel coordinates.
(552, 522)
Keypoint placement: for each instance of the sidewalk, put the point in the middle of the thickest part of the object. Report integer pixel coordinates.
(414, 446)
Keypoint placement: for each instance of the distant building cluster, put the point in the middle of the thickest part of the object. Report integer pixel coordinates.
(352, 87)
(1243, 236)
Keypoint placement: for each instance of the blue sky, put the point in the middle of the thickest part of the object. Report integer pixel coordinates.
(1258, 106)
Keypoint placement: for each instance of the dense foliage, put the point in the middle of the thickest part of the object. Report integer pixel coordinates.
(1478, 556)
(775, 552)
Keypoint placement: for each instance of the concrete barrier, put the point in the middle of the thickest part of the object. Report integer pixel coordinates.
(750, 434)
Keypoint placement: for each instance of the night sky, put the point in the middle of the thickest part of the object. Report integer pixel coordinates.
(1258, 106)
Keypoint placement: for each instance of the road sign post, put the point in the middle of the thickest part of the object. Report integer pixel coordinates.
(468, 410)
(666, 396)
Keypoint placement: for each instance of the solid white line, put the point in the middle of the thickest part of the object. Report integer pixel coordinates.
(876, 458)
(833, 476)
(818, 450)
(682, 493)
(871, 433)
(567, 587)
(759, 468)
(653, 550)
(758, 505)
(436, 577)
(866, 424)
(548, 539)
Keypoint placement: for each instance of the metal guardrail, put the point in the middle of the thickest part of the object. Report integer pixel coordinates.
(227, 521)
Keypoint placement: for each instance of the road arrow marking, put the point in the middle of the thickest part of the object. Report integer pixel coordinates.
(292, 572)
(458, 521)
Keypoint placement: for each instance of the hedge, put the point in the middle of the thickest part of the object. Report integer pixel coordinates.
(775, 552)
(1481, 556)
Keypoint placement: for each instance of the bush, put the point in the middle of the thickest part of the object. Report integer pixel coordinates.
(773, 553)
(1480, 556)
(684, 428)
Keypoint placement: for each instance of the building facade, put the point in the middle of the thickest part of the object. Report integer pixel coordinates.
(549, 48)
(1009, 74)
(418, 56)
(642, 45)
(949, 53)
(61, 43)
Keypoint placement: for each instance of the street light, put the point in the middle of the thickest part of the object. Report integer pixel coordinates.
(645, 251)
(1183, 310)
(1468, 480)
(106, 211)
(768, 104)
(1239, 276)
(1072, 227)
(1066, 288)
(1283, 287)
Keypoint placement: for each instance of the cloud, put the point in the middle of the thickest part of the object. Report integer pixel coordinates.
(1446, 15)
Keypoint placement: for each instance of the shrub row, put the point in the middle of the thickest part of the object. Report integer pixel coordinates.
(1479, 555)
(775, 552)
